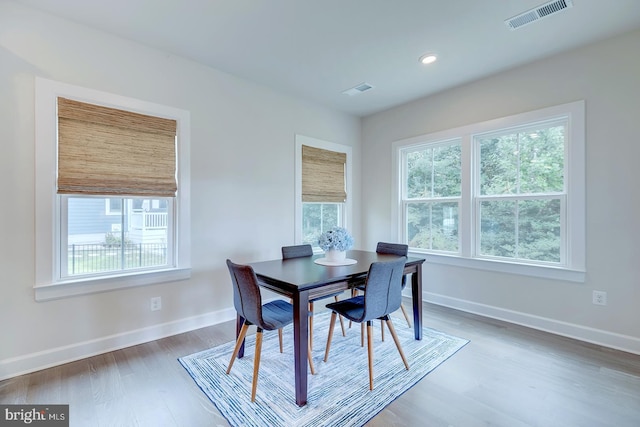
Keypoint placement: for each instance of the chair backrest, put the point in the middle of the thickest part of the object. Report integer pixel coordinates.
(246, 292)
(383, 288)
(297, 251)
(392, 248)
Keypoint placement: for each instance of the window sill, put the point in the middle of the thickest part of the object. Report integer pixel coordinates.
(70, 288)
(546, 272)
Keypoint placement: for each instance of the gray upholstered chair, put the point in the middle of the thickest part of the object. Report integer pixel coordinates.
(392, 249)
(300, 251)
(382, 296)
(248, 303)
(400, 250)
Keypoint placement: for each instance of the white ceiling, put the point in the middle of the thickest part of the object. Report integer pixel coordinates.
(316, 49)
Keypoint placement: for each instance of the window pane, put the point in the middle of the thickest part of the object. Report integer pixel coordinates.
(433, 226)
(419, 171)
(498, 228)
(542, 160)
(526, 162)
(318, 218)
(98, 242)
(499, 165)
(526, 229)
(446, 167)
(434, 172)
(539, 230)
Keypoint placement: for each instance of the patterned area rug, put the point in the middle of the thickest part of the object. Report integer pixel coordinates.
(338, 395)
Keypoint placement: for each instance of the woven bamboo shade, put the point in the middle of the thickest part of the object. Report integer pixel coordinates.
(106, 151)
(323, 175)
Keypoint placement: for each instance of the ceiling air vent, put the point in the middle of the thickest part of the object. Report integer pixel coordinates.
(537, 13)
(362, 87)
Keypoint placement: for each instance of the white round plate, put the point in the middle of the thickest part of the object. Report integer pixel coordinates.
(324, 261)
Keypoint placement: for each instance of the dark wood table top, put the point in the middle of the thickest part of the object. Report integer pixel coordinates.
(299, 274)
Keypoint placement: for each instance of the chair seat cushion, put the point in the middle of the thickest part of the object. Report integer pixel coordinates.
(277, 314)
(352, 308)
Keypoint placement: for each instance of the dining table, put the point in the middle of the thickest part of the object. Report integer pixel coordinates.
(303, 279)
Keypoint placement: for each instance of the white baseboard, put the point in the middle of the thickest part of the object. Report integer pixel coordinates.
(582, 333)
(57, 356)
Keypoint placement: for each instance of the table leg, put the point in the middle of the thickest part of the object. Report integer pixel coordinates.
(300, 344)
(416, 294)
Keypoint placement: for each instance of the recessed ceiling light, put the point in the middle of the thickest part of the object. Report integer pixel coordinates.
(428, 58)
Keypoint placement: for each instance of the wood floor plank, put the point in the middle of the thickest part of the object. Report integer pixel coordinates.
(508, 375)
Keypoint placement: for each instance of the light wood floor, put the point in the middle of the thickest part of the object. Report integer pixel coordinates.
(507, 375)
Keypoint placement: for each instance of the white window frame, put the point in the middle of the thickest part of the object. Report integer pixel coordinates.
(48, 282)
(573, 222)
(301, 140)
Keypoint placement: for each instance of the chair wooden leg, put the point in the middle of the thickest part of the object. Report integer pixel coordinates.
(361, 334)
(331, 325)
(256, 365)
(313, 368)
(311, 325)
(280, 338)
(406, 316)
(382, 329)
(370, 352)
(239, 341)
(397, 341)
(341, 321)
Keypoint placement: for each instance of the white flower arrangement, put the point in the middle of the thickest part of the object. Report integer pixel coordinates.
(337, 238)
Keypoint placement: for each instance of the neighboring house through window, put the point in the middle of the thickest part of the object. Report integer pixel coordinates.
(508, 194)
(119, 217)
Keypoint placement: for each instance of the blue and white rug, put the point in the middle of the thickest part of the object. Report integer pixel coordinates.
(338, 395)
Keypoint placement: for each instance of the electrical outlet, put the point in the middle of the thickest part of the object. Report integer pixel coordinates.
(599, 298)
(156, 303)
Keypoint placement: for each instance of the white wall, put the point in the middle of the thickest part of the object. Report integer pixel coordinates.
(242, 146)
(607, 76)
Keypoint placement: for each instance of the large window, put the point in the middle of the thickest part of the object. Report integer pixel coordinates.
(322, 187)
(506, 194)
(116, 213)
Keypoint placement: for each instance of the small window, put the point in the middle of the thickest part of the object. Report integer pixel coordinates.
(113, 206)
(322, 188)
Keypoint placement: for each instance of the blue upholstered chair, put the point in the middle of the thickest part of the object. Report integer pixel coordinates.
(300, 251)
(392, 249)
(248, 303)
(400, 250)
(382, 296)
